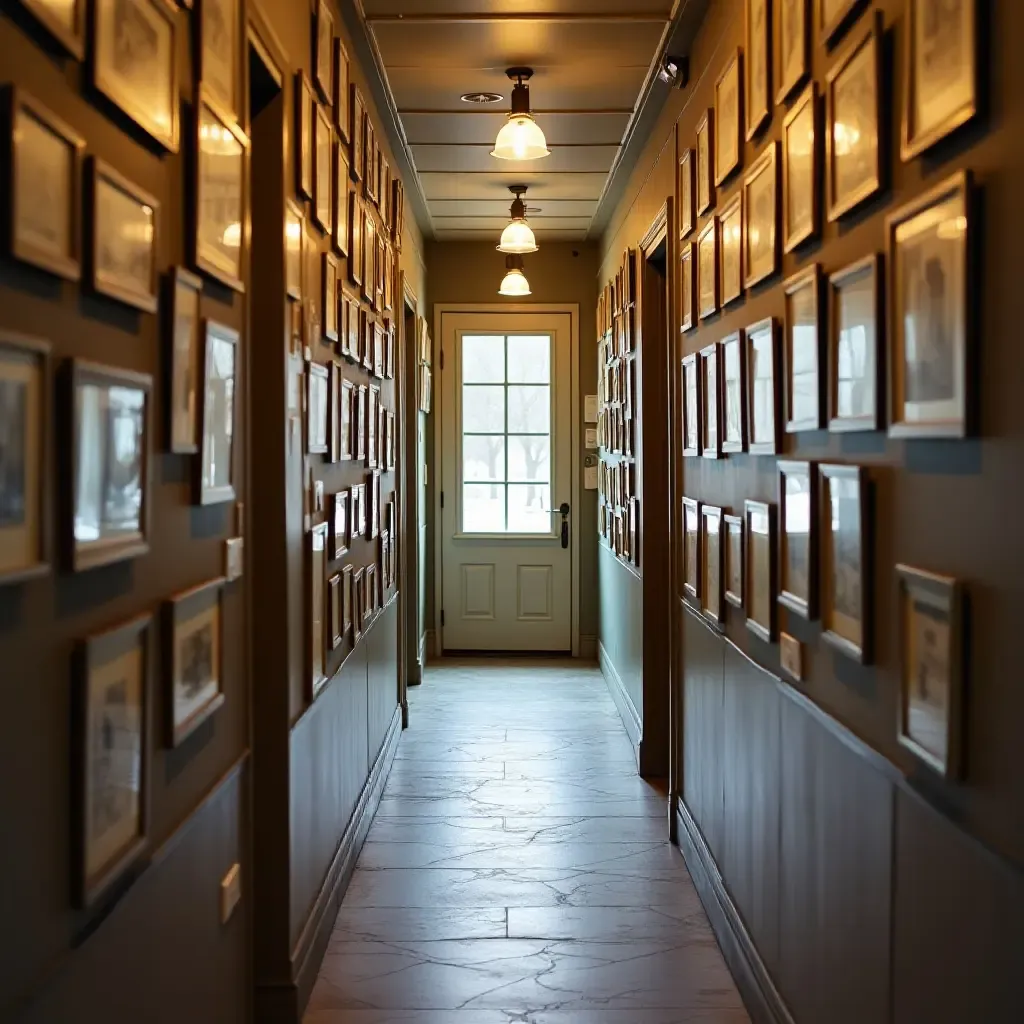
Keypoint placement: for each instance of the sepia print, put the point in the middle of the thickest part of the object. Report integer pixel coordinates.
(758, 53)
(730, 250)
(322, 143)
(324, 51)
(761, 204)
(183, 403)
(707, 270)
(294, 234)
(219, 52)
(305, 101)
(794, 26)
(728, 126)
(193, 625)
(65, 20)
(705, 188)
(687, 220)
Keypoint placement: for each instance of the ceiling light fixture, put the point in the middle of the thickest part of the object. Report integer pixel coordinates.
(518, 237)
(520, 137)
(514, 284)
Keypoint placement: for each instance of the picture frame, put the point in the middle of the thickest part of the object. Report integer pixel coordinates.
(730, 250)
(342, 230)
(44, 161)
(373, 399)
(732, 557)
(65, 22)
(305, 102)
(123, 224)
(355, 242)
(356, 140)
(106, 489)
(369, 338)
(374, 524)
(933, 669)
(691, 406)
(931, 354)
(214, 480)
(854, 120)
(342, 91)
(322, 209)
(687, 220)
(344, 420)
(801, 171)
(333, 412)
(757, 83)
(220, 195)
(793, 18)
(761, 218)
(687, 288)
(316, 609)
(193, 659)
(856, 340)
(346, 600)
(369, 592)
(218, 28)
(129, 71)
(25, 409)
(845, 595)
(359, 421)
(183, 327)
(941, 81)
(317, 384)
(340, 524)
(711, 403)
(369, 160)
(732, 365)
(761, 341)
(335, 611)
(323, 52)
(707, 270)
(294, 248)
(805, 347)
(691, 552)
(711, 591)
(357, 526)
(354, 352)
(760, 568)
(729, 119)
(369, 277)
(358, 615)
(836, 16)
(329, 298)
(705, 154)
(110, 776)
(798, 537)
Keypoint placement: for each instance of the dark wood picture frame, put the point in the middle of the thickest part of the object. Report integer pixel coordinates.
(294, 216)
(314, 447)
(711, 400)
(691, 592)
(687, 288)
(341, 524)
(322, 207)
(232, 103)
(733, 66)
(757, 37)
(710, 230)
(732, 209)
(206, 493)
(72, 39)
(806, 606)
(687, 193)
(689, 365)
(736, 341)
(766, 163)
(303, 150)
(323, 51)
(711, 514)
(342, 92)
(808, 98)
(787, 86)
(329, 275)
(834, 28)
(731, 523)
(705, 128)
(751, 580)
(341, 229)
(180, 278)
(316, 605)
(750, 337)
(811, 280)
(355, 242)
(357, 114)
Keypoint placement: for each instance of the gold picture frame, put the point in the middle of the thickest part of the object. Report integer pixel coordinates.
(757, 83)
(705, 154)
(730, 250)
(801, 171)
(65, 22)
(707, 270)
(687, 219)
(729, 119)
(687, 288)
(793, 20)
(761, 218)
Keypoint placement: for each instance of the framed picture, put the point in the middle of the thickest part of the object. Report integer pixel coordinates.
(369, 592)
(758, 82)
(354, 331)
(110, 755)
(760, 229)
(687, 220)
(358, 595)
(930, 355)
(798, 540)
(294, 235)
(340, 524)
(369, 338)
(801, 144)
(193, 662)
(707, 270)
(64, 21)
(853, 104)
(221, 195)
(323, 147)
(379, 345)
(762, 393)
(183, 348)
(730, 250)
(734, 400)
(323, 52)
(804, 351)
(711, 606)
(374, 525)
(846, 560)
(342, 206)
(341, 92)
(317, 564)
(369, 160)
(215, 472)
(329, 297)
(107, 519)
(940, 72)
(732, 545)
(705, 152)
(44, 178)
(346, 600)
(359, 423)
(344, 420)
(836, 16)
(711, 397)
(793, 18)
(930, 723)
(359, 511)
(305, 102)
(135, 63)
(371, 426)
(369, 281)
(317, 381)
(729, 118)
(355, 133)
(333, 412)
(355, 241)
(691, 551)
(856, 329)
(218, 50)
(759, 574)
(335, 612)
(691, 406)
(122, 238)
(24, 456)
(687, 288)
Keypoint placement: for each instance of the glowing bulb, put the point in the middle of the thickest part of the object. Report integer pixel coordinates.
(515, 284)
(520, 138)
(518, 237)
(232, 236)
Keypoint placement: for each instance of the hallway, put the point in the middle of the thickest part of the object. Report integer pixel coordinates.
(518, 870)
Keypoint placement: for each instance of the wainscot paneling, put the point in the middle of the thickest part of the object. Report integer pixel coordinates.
(382, 678)
(622, 614)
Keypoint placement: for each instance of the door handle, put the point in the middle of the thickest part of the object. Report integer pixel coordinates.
(563, 511)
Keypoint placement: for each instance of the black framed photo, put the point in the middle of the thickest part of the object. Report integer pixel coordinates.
(691, 551)
(761, 217)
(798, 537)
(801, 177)
(711, 401)
(729, 119)
(761, 341)
(711, 562)
(760, 568)
(732, 362)
(215, 476)
(732, 555)
(184, 345)
(804, 351)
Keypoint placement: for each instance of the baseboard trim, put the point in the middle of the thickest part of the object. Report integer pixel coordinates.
(309, 950)
(588, 647)
(762, 999)
(627, 712)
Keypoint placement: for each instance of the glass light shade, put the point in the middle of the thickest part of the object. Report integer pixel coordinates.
(515, 284)
(520, 138)
(518, 237)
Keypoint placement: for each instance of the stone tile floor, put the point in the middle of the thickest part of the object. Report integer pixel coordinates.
(519, 870)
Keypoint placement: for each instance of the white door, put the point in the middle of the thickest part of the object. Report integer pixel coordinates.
(506, 470)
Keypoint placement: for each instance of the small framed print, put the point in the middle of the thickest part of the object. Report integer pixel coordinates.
(801, 145)
(836, 16)
(294, 235)
(846, 560)
(64, 21)
(344, 420)
(340, 524)
(758, 80)
(855, 335)
(359, 423)
(358, 594)
(930, 364)
(341, 92)
(335, 612)
(110, 740)
(760, 229)
(759, 575)
(379, 341)
(940, 72)
(220, 195)
(804, 348)
(732, 359)
(317, 381)
(304, 105)
(122, 239)
(732, 554)
(794, 32)
(215, 471)
(357, 527)
(193, 663)
(691, 551)
(342, 206)
(691, 406)
(687, 220)
(854, 113)
(711, 438)
(183, 348)
(44, 177)
(354, 331)
(369, 338)
(369, 281)
(323, 146)
(798, 537)
(930, 723)
(24, 456)
(705, 154)
(791, 657)
(707, 270)
(334, 412)
(687, 288)
(374, 523)
(323, 52)
(218, 52)
(138, 70)
(729, 119)
(369, 592)
(355, 241)
(369, 160)
(329, 297)
(357, 115)
(316, 610)
(346, 600)
(762, 391)
(730, 250)
(711, 606)
(371, 426)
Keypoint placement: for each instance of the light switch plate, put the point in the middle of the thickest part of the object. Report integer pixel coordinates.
(230, 892)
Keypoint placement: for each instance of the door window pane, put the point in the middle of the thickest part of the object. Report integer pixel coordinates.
(528, 506)
(483, 508)
(529, 409)
(483, 359)
(529, 359)
(528, 458)
(483, 409)
(483, 457)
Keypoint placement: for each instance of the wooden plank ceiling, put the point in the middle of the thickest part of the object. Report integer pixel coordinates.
(591, 60)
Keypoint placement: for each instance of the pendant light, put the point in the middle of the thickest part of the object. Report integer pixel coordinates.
(518, 237)
(514, 284)
(520, 137)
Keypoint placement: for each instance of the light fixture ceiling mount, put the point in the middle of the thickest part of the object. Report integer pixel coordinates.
(514, 285)
(518, 236)
(520, 137)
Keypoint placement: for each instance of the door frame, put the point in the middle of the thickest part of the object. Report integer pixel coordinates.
(408, 593)
(572, 309)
